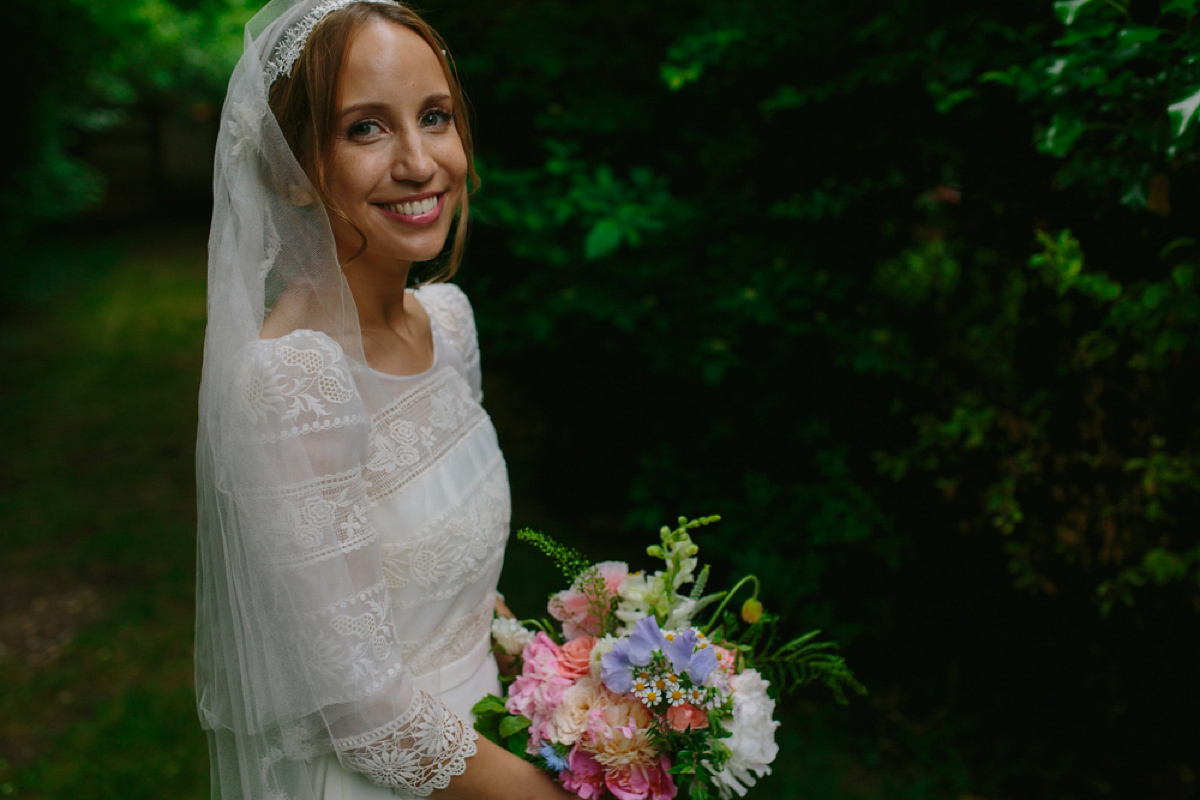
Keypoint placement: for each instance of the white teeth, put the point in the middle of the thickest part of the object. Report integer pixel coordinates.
(419, 207)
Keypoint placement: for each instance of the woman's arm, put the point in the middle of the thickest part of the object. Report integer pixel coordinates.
(493, 773)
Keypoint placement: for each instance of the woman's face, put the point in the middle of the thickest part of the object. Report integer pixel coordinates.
(397, 167)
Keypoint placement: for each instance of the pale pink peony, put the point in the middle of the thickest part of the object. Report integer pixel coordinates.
(574, 607)
(642, 781)
(575, 657)
(584, 776)
(618, 732)
(539, 689)
(686, 716)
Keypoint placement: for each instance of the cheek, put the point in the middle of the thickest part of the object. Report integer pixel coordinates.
(350, 177)
(454, 160)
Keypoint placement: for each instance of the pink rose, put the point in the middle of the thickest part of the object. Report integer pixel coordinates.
(584, 776)
(726, 660)
(685, 717)
(575, 657)
(642, 781)
(575, 607)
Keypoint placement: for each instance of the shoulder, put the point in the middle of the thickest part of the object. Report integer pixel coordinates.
(451, 311)
(303, 376)
(447, 302)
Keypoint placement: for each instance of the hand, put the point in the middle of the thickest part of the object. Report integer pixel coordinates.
(504, 662)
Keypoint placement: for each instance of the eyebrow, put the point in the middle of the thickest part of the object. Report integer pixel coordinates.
(375, 106)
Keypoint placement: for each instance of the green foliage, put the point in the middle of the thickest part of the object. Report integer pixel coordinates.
(1120, 91)
(569, 560)
(84, 66)
(510, 731)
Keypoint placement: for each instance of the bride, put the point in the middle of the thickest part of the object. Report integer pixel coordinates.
(353, 501)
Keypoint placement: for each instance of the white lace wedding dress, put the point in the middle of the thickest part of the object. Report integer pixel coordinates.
(415, 481)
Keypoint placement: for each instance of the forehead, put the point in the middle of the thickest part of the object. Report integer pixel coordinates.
(385, 61)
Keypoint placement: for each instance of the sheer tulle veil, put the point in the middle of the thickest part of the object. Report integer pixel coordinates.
(293, 654)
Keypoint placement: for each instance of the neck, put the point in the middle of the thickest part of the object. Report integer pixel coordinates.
(378, 287)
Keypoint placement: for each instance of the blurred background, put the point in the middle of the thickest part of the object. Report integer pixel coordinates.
(906, 290)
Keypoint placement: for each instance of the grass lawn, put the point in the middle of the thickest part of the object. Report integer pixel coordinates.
(97, 520)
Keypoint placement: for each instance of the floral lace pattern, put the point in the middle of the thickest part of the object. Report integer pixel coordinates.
(299, 379)
(411, 752)
(448, 305)
(411, 434)
(453, 550)
(353, 648)
(353, 642)
(309, 522)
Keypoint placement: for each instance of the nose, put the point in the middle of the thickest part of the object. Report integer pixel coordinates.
(412, 160)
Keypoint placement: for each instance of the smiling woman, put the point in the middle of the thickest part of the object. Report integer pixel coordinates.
(353, 500)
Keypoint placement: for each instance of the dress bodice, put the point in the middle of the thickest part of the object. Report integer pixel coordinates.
(391, 531)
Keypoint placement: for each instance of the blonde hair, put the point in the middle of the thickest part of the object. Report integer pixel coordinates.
(305, 105)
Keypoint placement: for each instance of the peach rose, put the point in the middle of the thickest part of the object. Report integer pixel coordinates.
(574, 659)
(686, 716)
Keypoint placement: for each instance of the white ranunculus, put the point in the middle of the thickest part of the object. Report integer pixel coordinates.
(752, 741)
(511, 635)
(570, 719)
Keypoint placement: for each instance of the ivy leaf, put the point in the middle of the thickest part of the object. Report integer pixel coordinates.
(1184, 8)
(1183, 111)
(1061, 135)
(1067, 10)
(604, 237)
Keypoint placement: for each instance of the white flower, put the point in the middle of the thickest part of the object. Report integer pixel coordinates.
(752, 741)
(511, 635)
(641, 596)
(570, 719)
(601, 647)
(245, 123)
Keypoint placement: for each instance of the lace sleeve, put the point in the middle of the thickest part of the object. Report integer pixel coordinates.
(450, 307)
(328, 631)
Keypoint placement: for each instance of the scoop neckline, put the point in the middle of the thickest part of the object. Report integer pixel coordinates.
(437, 351)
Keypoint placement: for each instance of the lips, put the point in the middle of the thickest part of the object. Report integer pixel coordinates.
(416, 210)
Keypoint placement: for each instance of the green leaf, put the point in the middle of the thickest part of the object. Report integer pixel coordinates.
(516, 745)
(1183, 111)
(1137, 34)
(512, 725)
(1068, 10)
(1061, 135)
(604, 238)
(489, 705)
(1184, 8)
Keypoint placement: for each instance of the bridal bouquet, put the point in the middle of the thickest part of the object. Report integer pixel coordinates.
(640, 690)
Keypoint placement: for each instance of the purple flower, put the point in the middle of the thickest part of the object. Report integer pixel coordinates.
(616, 666)
(680, 647)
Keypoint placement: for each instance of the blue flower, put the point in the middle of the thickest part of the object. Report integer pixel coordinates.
(554, 759)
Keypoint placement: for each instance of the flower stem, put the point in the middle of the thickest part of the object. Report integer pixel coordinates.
(728, 596)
